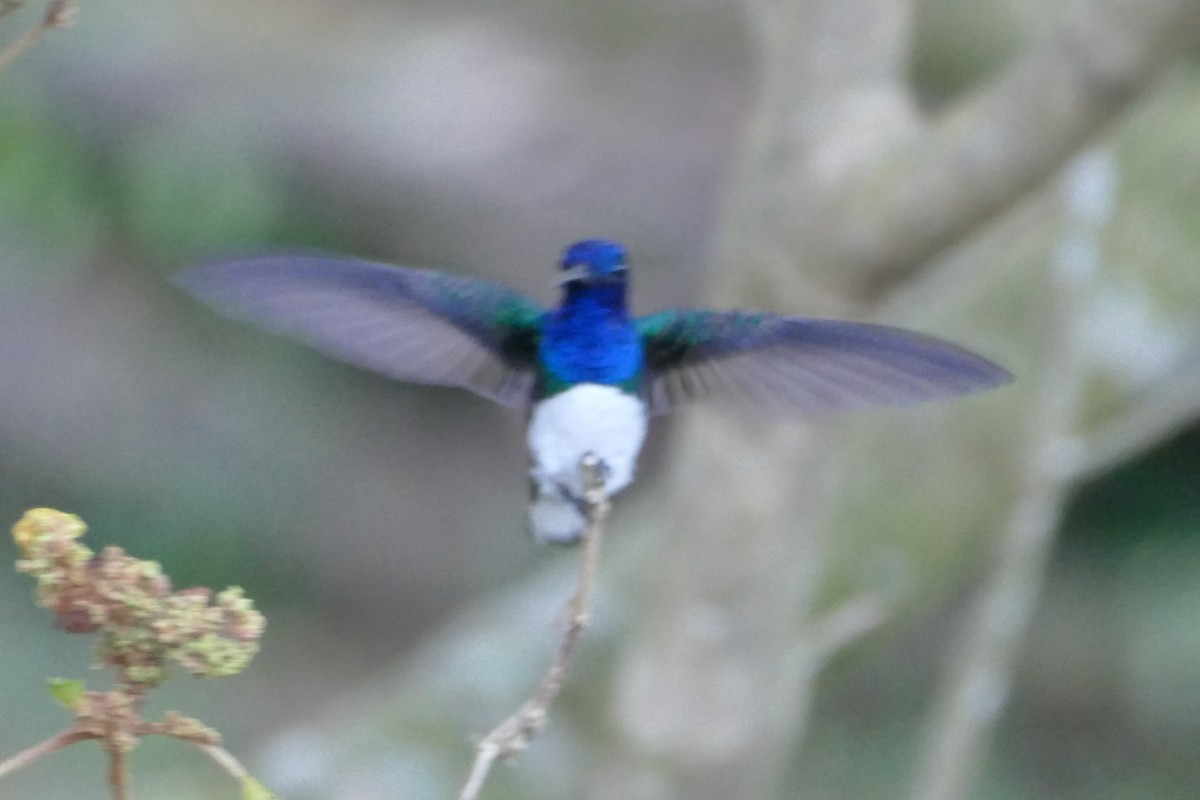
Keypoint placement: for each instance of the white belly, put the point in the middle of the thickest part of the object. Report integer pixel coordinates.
(589, 418)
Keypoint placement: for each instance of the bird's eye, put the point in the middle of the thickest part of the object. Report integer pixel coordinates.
(575, 272)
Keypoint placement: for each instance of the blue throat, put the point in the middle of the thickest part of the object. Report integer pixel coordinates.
(590, 339)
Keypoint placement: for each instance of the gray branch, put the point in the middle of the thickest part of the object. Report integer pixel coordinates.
(996, 145)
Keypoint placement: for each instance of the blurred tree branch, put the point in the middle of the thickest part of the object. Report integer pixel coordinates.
(980, 664)
(994, 146)
(59, 14)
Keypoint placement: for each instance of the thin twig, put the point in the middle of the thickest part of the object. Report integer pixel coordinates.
(118, 771)
(59, 14)
(45, 748)
(513, 734)
(225, 759)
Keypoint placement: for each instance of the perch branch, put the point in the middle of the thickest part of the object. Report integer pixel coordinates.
(515, 733)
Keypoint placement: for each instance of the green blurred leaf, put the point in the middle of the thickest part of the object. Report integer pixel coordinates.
(66, 691)
(50, 217)
(253, 790)
(184, 197)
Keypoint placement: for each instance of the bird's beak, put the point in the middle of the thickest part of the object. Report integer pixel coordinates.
(575, 273)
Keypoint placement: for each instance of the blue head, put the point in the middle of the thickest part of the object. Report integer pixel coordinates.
(589, 338)
(594, 261)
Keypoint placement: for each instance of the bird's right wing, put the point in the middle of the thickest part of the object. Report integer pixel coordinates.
(415, 325)
(800, 365)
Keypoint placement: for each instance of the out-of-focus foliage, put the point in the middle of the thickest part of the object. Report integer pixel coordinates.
(50, 216)
(214, 198)
(1102, 705)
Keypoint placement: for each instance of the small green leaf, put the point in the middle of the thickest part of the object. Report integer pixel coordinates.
(253, 790)
(66, 691)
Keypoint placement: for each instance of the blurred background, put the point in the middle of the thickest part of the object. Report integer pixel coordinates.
(379, 526)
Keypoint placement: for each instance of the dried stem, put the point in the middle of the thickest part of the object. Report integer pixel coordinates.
(59, 14)
(515, 733)
(45, 748)
(118, 772)
(118, 769)
(146, 624)
(225, 759)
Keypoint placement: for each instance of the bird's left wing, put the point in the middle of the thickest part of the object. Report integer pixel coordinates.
(798, 364)
(415, 325)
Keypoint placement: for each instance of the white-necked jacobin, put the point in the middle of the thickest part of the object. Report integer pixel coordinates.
(589, 374)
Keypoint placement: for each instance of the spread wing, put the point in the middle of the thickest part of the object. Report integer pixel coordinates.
(415, 325)
(797, 364)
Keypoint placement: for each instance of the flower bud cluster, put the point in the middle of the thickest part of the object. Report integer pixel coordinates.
(145, 626)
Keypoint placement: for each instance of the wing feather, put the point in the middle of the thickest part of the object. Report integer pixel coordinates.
(798, 364)
(414, 325)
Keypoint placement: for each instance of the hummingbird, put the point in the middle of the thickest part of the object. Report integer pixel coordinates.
(588, 374)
